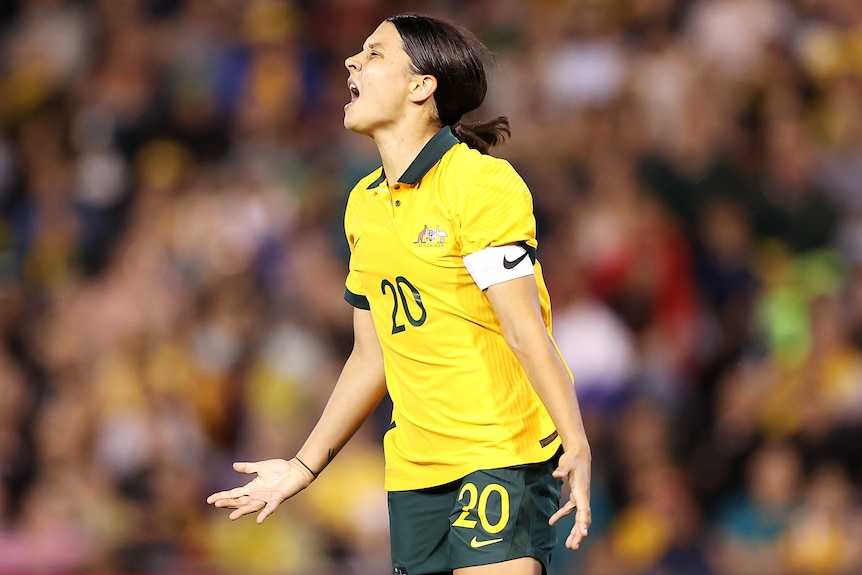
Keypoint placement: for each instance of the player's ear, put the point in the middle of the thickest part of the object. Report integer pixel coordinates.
(422, 88)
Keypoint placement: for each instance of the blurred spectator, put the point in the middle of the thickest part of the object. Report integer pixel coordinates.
(821, 538)
(658, 532)
(731, 36)
(751, 528)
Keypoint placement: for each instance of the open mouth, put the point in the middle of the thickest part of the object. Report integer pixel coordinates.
(354, 91)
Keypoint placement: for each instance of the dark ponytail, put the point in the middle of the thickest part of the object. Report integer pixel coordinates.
(483, 136)
(453, 56)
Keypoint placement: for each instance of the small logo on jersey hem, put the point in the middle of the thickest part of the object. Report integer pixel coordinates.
(548, 440)
(475, 543)
(510, 264)
(431, 237)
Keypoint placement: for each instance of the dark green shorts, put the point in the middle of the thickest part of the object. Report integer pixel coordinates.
(487, 517)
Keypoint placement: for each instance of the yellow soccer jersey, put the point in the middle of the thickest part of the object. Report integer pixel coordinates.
(461, 400)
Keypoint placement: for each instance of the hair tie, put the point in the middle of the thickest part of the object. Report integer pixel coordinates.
(307, 467)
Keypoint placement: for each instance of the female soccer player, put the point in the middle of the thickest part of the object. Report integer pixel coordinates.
(451, 317)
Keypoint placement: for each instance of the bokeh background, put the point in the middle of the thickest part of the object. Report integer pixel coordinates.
(173, 175)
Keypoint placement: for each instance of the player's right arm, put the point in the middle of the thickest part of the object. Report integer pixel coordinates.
(359, 389)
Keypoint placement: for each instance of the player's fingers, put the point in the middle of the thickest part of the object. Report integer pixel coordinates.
(246, 466)
(562, 512)
(252, 506)
(573, 541)
(229, 494)
(581, 498)
(584, 518)
(233, 503)
(267, 511)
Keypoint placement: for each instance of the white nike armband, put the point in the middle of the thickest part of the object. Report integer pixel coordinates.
(498, 264)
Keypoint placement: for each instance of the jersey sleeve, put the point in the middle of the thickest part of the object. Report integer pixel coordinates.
(496, 209)
(498, 228)
(354, 293)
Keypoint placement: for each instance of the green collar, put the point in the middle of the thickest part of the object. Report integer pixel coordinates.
(436, 147)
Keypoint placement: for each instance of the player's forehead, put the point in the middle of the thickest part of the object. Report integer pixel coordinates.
(385, 37)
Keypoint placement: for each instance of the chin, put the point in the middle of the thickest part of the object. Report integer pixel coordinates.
(354, 126)
(349, 122)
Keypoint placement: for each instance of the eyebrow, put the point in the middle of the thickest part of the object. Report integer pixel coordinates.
(374, 46)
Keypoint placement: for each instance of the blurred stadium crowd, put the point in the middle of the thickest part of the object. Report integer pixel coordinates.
(172, 181)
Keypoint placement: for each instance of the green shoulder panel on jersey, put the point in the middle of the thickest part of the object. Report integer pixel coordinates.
(356, 300)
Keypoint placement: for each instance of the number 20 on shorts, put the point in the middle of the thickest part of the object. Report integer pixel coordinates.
(479, 502)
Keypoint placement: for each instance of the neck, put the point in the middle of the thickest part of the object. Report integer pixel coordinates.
(398, 150)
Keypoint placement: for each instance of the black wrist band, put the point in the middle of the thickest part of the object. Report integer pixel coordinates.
(307, 467)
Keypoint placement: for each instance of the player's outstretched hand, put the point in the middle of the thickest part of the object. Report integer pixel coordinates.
(277, 480)
(575, 470)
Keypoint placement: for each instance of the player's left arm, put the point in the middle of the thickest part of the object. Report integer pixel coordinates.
(516, 303)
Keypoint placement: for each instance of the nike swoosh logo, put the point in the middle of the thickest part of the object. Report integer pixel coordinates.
(475, 543)
(509, 265)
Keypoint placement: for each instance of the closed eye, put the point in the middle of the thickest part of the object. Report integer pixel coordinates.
(372, 49)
